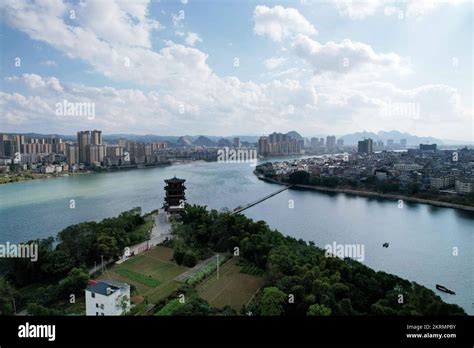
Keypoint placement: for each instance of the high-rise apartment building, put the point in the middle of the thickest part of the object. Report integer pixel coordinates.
(237, 142)
(365, 146)
(72, 154)
(330, 142)
(96, 137)
(83, 141)
(278, 144)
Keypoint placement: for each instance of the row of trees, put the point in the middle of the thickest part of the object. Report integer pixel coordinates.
(301, 280)
(38, 300)
(63, 262)
(78, 245)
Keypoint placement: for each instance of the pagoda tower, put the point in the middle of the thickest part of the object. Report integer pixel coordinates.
(174, 198)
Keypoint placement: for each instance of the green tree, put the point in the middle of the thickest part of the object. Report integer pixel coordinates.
(7, 296)
(74, 283)
(272, 302)
(189, 259)
(39, 310)
(299, 177)
(318, 310)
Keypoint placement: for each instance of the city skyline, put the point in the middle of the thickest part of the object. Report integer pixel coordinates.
(312, 67)
(381, 135)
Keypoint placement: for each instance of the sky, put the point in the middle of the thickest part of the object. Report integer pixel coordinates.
(237, 67)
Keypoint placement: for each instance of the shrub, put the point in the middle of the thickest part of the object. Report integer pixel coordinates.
(189, 259)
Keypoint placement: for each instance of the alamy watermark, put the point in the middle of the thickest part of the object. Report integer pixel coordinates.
(84, 109)
(410, 109)
(25, 251)
(228, 155)
(353, 251)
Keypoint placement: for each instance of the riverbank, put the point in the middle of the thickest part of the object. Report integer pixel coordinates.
(370, 194)
(8, 179)
(23, 177)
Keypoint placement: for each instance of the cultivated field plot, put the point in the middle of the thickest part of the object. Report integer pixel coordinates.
(232, 288)
(152, 272)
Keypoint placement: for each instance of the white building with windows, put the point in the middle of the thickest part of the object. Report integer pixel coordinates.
(464, 186)
(107, 297)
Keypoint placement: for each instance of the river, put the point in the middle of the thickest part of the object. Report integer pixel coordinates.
(422, 238)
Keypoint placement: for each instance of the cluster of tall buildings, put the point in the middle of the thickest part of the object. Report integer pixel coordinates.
(331, 143)
(11, 144)
(279, 144)
(89, 148)
(91, 151)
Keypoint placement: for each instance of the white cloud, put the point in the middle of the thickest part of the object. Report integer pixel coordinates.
(223, 106)
(274, 62)
(34, 81)
(279, 23)
(336, 98)
(125, 57)
(418, 8)
(117, 22)
(192, 38)
(361, 9)
(390, 10)
(340, 57)
(356, 9)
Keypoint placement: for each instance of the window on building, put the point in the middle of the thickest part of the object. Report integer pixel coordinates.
(96, 305)
(93, 295)
(102, 306)
(101, 313)
(96, 313)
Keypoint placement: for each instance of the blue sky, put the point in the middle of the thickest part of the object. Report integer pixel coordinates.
(318, 67)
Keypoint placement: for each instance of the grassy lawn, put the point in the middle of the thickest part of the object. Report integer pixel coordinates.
(152, 273)
(138, 277)
(233, 288)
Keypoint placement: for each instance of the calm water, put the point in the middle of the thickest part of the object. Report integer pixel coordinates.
(421, 237)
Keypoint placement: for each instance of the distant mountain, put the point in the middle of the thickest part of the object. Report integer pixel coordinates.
(188, 140)
(224, 142)
(184, 141)
(412, 140)
(38, 135)
(203, 141)
(295, 135)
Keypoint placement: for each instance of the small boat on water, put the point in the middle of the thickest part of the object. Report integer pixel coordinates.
(385, 245)
(445, 289)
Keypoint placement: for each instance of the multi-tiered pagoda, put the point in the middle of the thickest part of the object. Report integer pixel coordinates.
(174, 198)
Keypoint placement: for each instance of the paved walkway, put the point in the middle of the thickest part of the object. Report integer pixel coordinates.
(160, 232)
(161, 226)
